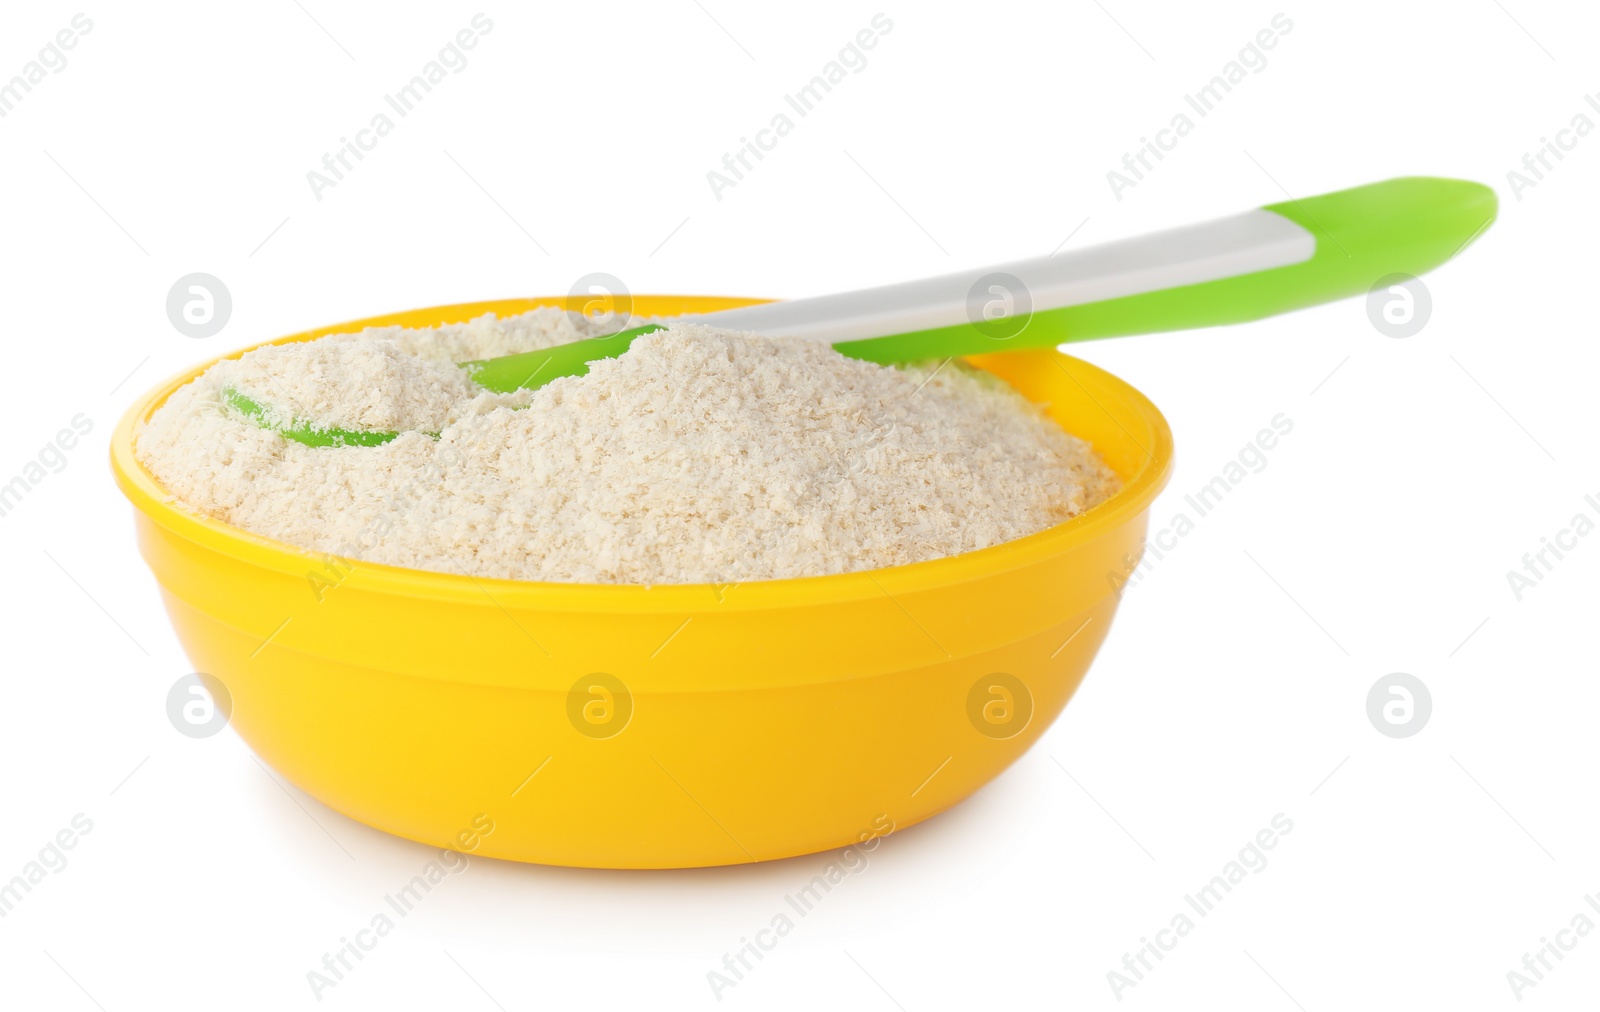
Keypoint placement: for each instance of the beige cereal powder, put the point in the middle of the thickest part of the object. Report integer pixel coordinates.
(699, 456)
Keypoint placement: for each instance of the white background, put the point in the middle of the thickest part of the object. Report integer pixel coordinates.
(1419, 871)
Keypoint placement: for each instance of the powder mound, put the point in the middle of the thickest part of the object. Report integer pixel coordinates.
(490, 337)
(698, 456)
(369, 385)
(391, 379)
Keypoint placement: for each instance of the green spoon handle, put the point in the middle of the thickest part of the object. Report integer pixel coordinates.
(1261, 263)
(1350, 240)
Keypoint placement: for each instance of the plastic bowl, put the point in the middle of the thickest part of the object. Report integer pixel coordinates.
(655, 727)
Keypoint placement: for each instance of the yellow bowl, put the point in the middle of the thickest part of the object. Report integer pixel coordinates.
(655, 727)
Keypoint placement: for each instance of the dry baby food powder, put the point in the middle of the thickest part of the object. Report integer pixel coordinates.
(699, 456)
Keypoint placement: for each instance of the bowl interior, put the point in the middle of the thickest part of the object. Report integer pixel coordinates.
(1122, 425)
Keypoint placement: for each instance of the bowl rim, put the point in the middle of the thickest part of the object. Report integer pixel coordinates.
(149, 498)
